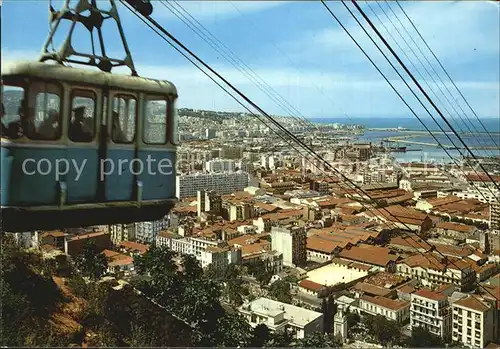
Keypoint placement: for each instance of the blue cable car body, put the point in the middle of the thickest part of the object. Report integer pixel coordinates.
(33, 199)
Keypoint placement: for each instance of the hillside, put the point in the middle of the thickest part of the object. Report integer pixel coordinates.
(40, 308)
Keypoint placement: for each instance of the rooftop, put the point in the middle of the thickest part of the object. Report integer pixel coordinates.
(331, 274)
(386, 302)
(435, 296)
(473, 303)
(374, 255)
(269, 307)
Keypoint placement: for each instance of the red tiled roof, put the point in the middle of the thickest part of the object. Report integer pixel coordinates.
(473, 303)
(369, 254)
(386, 302)
(435, 296)
(371, 289)
(141, 248)
(310, 285)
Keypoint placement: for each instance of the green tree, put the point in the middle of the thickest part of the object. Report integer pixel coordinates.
(280, 290)
(189, 295)
(422, 338)
(91, 262)
(353, 320)
(29, 298)
(261, 335)
(280, 339)
(316, 340)
(385, 331)
(233, 331)
(192, 268)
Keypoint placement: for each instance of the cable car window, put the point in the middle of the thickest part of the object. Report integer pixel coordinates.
(155, 125)
(82, 125)
(123, 122)
(174, 123)
(11, 110)
(42, 120)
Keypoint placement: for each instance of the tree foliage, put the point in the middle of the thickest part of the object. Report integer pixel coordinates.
(188, 293)
(91, 262)
(317, 340)
(383, 330)
(422, 338)
(280, 291)
(29, 297)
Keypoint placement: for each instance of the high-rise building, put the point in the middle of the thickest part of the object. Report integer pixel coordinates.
(121, 232)
(208, 201)
(223, 183)
(220, 165)
(210, 133)
(495, 215)
(291, 242)
(147, 231)
(431, 310)
(240, 211)
(474, 321)
(231, 152)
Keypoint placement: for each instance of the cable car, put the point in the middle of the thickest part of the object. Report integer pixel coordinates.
(83, 147)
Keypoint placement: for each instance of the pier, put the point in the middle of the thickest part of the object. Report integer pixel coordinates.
(405, 140)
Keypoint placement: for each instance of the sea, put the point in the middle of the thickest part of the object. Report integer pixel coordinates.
(376, 129)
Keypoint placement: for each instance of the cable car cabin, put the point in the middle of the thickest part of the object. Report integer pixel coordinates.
(82, 147)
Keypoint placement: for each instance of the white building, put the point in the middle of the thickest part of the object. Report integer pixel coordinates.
(495, 215)
(220, 165)
(222, 183)
(210, 133)
(481, 194)
(122, 232)
(291, 242)
(431, 311)
(396, 310)
(474, 322)
(279, 316)
(147, 231)
(206, 251)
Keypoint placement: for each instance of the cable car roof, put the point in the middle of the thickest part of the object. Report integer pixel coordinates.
(77, 75)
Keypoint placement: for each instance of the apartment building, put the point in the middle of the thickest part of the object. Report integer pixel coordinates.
(279, 317)
(223, 183)
(147, 231)
(240, 211)
(482, 194)
(474, 321)
(121, 232)
(208, 201)
(291, 242)
(206, 251)
(432, 270)
(495, 215)
(220, 165)
(396, 310)
(215, 256)
(231, 152)
(431, 311)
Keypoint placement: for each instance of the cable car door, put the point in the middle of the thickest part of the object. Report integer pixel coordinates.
(83, 145)
(121, 147)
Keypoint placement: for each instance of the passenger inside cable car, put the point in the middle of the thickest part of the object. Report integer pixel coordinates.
(49, 128)
(118, 135)
(78, 131)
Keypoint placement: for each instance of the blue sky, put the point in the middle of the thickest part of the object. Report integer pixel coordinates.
(299, 50)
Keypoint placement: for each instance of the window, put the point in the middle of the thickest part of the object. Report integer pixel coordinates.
(123, 121)
(174, 123)
(155, 121)
(43, 117)
(11, 110)
(82, 122)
